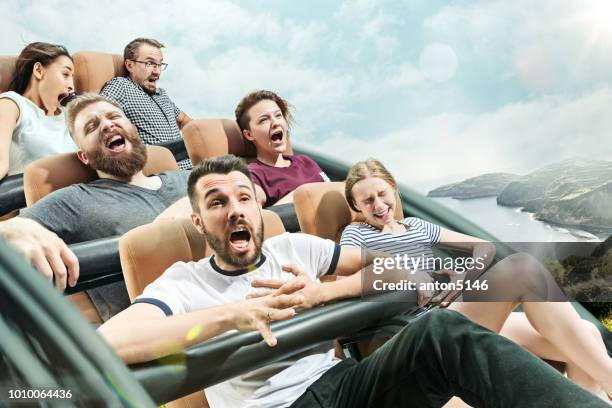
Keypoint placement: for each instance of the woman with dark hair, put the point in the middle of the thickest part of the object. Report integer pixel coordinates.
(264, 118)
(32, 122)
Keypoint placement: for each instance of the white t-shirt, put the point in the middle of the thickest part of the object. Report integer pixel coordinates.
(36, 135)
(186, 287)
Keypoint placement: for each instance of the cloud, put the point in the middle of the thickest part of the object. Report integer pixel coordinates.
(370, 26)
(224, 79)
(545, 48)
(530, 81)
(519, 137)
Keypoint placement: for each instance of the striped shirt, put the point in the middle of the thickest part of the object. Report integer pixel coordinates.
(416, 242)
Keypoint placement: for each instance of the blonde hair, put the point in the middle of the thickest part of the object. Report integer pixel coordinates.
(362, 170)
(81, 102)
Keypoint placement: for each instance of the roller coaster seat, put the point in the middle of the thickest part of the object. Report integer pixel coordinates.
(322, 209)
(147, 251)
(93, 69)
(52, 173)
(206, 138)
(7, 68)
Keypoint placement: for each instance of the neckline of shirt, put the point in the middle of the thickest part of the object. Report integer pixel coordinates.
(239, 272)
(404, 221)
(57, 117)
(162, 177)
(290, 158)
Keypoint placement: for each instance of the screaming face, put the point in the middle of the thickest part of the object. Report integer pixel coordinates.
(268, 129)
(229, 217)
(375, 198)
(109, 142)
(140, 73)
(56, 83)
(240, 244)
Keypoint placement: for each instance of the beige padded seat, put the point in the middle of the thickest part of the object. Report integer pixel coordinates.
(147, 251)
(322, 210)
(93, 69)
(7, 69)
(206, 138)
(43, 176)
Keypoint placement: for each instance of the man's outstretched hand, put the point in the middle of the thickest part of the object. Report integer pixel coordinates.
(256, 313)
(44, 249)
(309, 289)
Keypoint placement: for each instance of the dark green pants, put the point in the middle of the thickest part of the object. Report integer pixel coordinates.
(439, 355)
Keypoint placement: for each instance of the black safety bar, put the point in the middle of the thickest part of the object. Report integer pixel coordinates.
(12, 196)
(230, 355)
(177, 147)
(99, 263)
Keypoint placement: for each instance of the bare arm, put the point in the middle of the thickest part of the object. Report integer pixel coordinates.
(349, 263)
(44, 249)
(286, 199)
(479, 248)
(182, 120)
(142, 332)
(180, 209)
(260, 194)
(359, 264)
(9, 113)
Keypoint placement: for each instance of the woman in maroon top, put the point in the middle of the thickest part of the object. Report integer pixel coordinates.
(264, 119)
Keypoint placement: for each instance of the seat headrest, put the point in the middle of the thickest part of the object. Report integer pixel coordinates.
(147, 251)
(322, 209)
(93, 69)
(206, 138)
(46, 175)
(7, 70)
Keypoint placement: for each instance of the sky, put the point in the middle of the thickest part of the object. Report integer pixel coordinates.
(436, 90)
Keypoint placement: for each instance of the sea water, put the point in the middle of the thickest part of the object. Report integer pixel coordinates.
(511, 224)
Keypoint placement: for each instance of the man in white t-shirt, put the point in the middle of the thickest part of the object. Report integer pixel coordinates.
(438, 355)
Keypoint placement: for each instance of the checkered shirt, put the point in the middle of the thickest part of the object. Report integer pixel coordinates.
(153, 115)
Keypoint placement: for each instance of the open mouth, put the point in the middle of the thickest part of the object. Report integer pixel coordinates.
(382, 214)
(277, 135)
(239, 239)
(116, 143)
(65, 97)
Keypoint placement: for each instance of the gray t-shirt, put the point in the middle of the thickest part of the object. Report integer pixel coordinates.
(105, 208)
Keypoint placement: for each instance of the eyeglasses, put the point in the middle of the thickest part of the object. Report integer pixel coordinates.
(151, 65)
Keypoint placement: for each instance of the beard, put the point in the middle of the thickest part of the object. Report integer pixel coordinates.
(124, 165)
(220, 246)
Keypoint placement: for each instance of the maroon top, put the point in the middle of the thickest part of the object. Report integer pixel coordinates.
(277, 182)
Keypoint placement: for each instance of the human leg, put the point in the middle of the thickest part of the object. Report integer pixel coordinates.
(518, 329)
(442, 354)
(564, 335)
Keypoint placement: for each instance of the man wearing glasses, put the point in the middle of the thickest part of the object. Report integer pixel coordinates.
(148, 107)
